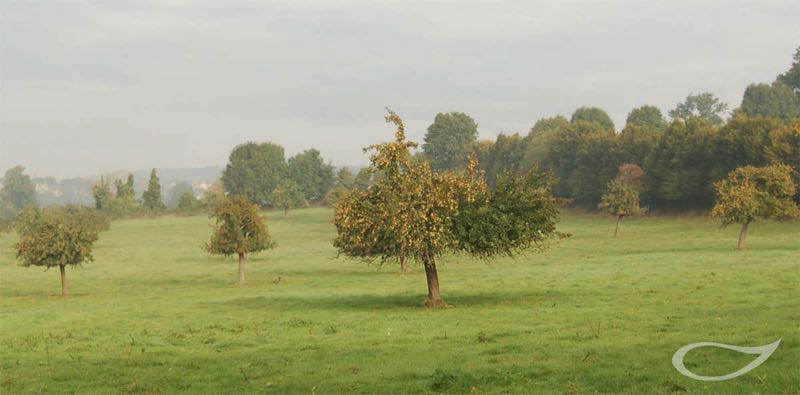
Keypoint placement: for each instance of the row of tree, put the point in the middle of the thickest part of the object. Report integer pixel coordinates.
(681, 159)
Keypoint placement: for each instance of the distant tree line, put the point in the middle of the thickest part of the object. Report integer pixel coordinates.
(681, 158)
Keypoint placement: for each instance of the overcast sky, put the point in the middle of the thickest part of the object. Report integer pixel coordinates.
(89, 87)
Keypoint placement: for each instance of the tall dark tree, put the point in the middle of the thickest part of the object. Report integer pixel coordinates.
(151, 198)
(776, 100)
(17, 193)
(593, 114)
(705, 106)
(240, 230)
(583, 157)
(449, 140)
(254, 170)
(311, 174)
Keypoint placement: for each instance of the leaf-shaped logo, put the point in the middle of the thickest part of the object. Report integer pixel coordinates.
(763, 353)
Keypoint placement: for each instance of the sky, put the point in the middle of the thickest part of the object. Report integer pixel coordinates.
(99, 86)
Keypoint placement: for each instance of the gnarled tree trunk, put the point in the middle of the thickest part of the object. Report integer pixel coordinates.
(616, 228)
(434, 297)
(64, 290)
(242, 259)
(743, 235)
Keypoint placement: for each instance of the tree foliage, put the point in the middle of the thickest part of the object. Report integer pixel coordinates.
(17, 193)
(750, 193)
(705, 106)
(345, 178)
(188, 203)
(239, 230)
(151, 198)
(449, 140)
(593, 115)
(646, 117)
(254, 170)
(311, 174)
(415, 213)
(288, 195)
(791, 77)
(622, 194)
(101, 192)
(776, 100)
(55, 238)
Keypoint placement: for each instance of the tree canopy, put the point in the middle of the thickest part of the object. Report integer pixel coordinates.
(646, 117)
(594, 115)
(288, 195)
(239, 230)
(704, 105)
(254, 170)
(415, 213)
(776, 100)
(151, 198)
(17, 193)
(449, 139)
(55, 238)
(750, 193)
(622, 194)
(311, 174)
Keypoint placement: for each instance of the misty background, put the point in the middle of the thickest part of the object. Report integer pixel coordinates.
(109, 87)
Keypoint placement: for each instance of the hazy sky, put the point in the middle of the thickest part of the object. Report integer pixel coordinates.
(89, 87)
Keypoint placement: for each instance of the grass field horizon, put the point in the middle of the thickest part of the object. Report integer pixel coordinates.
(154, 313)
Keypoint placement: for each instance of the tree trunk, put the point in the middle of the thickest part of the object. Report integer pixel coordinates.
(743, 235)
(403, 265)
(434, 297)
(285, 213)
(242, 259)
(64, 290)
(616, 228)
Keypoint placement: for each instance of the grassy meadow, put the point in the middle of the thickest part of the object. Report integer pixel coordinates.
(154, 313)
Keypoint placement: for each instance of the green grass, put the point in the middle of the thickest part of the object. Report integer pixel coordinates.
(155, 314)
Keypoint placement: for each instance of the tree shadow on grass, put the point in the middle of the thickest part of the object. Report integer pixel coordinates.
(397, 301)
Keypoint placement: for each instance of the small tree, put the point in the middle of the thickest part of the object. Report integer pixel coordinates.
(151, 198)
(188, 203)
(412, 213)
(622, 194)
(102, 194)
(239, 230)
(287, 195)
(53, 238)
(750, 193)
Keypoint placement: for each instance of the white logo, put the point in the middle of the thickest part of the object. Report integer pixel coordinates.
(763, 353)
